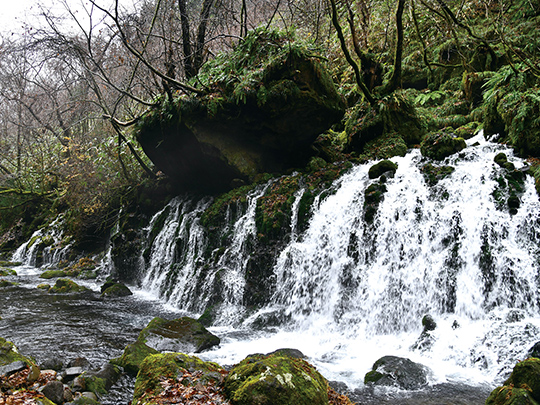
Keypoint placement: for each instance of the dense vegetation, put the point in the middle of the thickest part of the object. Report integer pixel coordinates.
(73, 102)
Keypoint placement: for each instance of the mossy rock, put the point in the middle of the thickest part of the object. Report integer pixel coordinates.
(44, 286)
(397, 371)
(275, 380)
(384, 147)
(48, 274)
(116, 290)
(526, 373)
(157, 367)
(441, 144)
(507, 395)
(432, 174)
(65, 286)
(5, 283)
(165, 335)
(7, 272)
(179, 335)
(133, 356)
(10, 354)
(92, 383)
(382, 167)
(467, 131)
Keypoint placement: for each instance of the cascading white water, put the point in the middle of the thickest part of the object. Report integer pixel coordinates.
(47, 242)
(356, 291)
(175, 268)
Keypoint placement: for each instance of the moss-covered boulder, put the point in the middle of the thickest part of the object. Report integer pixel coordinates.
(275, 380)
(10, 354)
(6, 283)
(177, 335)
(180, 335)
(116, 290)
(7, 272)
(161, 370)
(383, 166)
(133, 356)
(48, 274)
(260, 109)
(394, 117)
(66, 286)
(432, 174)
(441, 144)
(509, 395)
(397, 371)
(526, 373)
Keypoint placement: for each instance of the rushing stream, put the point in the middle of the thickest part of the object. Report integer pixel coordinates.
(346, 292)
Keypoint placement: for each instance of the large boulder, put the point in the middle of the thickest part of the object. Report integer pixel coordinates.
(178, 376)
(275, 379)
(178, 335)
(261, 108)
(397, 371)
(522, 387)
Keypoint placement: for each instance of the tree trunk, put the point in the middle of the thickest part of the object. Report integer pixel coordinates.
(395, 80)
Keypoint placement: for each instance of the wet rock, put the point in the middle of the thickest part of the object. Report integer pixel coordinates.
(159, 368)
(54, 391)
(10, 354)
(71, 372)
(66, 286)
(275, 379)
(522, 387)
(52, 364)
(133, 356)
(534, 351)
(11, 368)
(397, 371)
(426, 339)
(441, 144)
(116, 290)
(382, 167)
(178, 335)
(79, 362)
(294, 353)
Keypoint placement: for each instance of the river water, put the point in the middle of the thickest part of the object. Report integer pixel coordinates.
(347, 292)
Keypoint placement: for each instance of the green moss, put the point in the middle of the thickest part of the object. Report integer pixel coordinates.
(527, 372)
(372, 377)
(93, 384)
(508, 395)
(10, 354)
(48, 274)
(432, 174)
(7, 272)
(276, 380)
(382, 167)
(5, 283)
(133, 356)
(44, 286)
(116, 290)
(441, 144)
(157, 367)
(65, 286)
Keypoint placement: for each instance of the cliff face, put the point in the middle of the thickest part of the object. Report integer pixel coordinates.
(262, 107)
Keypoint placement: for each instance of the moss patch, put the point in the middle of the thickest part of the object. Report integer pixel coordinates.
(441, 144)
(276, 380)
(158, 367)
(65, 286)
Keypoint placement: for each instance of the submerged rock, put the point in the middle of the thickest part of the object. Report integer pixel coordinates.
(397, 371)
(276, 379)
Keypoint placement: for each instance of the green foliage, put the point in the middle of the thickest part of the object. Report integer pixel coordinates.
(512, 108)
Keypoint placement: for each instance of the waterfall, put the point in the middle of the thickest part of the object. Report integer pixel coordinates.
(354, 291)
(45, 247)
